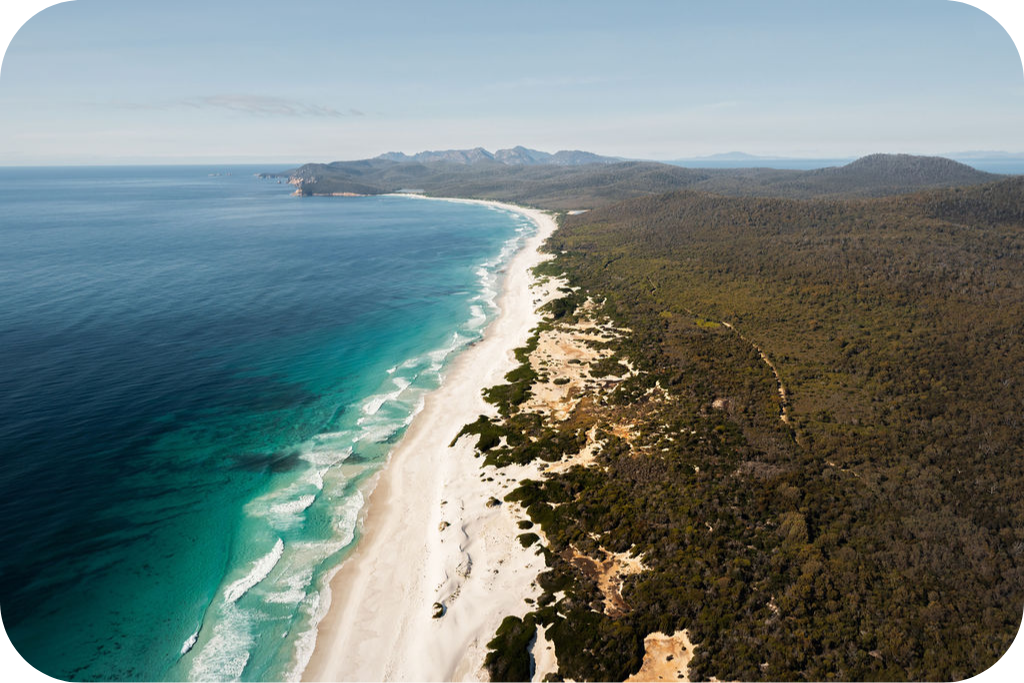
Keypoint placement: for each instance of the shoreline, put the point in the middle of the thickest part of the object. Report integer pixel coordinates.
(428, 534)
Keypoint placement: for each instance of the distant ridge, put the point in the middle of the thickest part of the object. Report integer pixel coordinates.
(455, 156)
(515, 156)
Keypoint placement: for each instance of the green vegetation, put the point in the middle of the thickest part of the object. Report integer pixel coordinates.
(490, 433)
(528, 539)
(700, 322)
(509, 659)
(507, 396)
(608, 367)
(879, 534)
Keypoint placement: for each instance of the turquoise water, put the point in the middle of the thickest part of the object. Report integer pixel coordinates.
(199, 373)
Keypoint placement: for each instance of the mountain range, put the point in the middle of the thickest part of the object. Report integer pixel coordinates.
(514, 156)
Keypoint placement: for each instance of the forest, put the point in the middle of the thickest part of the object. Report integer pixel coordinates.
(874, 533)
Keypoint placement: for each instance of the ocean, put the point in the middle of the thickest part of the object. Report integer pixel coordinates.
(200, 373)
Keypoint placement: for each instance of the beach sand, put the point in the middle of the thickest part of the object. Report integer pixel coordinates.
(429, 535)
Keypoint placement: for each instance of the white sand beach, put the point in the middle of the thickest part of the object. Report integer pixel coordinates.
(429, 535)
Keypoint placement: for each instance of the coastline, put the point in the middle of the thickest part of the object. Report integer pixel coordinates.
(428, 534)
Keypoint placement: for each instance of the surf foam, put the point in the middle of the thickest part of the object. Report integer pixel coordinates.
(260, 569)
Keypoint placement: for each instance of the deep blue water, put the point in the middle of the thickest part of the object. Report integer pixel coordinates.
(198, 373)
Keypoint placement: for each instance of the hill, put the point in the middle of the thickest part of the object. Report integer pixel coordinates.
(876, 175)
(893, 174)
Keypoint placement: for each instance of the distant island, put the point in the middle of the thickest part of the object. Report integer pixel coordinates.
(730, 156)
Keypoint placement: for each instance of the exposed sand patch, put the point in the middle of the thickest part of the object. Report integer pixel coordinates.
(542, 655)
(666, 658)
(564, 357)
(588, 454)
(610, 573)
(585, 458)
(624, 432)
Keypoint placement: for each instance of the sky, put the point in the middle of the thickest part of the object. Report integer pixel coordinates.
(139, 81)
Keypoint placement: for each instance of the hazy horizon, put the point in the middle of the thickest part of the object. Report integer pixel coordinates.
(963, 156)
(114, 82)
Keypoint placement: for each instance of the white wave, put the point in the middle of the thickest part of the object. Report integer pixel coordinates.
(411, 363)
(327, 457)
(477, 317)
(294, 588)
(288, 514)
(330, 435)
(378, 432)
(287, 597)
(348, 518)
(294, 506)
(374, 403)
(283, 508)
(310, 554)
(416, 409)
(317, 603)
(224, 656)
(316, 608)
(316, 478)
(260, 569)
(438, 355)
(190, 643)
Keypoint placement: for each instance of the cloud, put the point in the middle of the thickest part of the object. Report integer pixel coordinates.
(255, 105)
